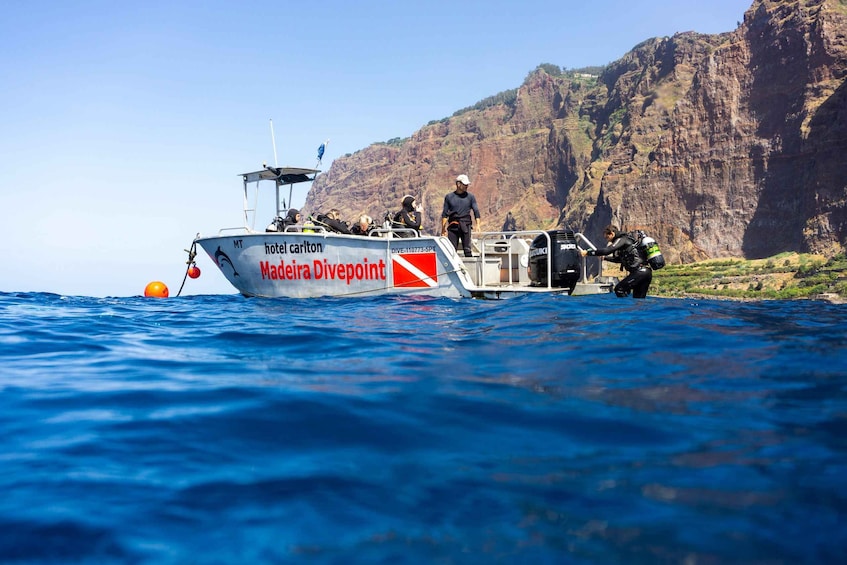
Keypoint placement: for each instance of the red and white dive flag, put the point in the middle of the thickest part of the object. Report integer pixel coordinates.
(415, 270)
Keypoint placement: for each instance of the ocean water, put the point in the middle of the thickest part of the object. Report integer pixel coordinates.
(221, 429)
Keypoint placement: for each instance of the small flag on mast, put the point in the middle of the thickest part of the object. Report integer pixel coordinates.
(321, 150)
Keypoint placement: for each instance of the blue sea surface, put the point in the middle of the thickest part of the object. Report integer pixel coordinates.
(541, 429)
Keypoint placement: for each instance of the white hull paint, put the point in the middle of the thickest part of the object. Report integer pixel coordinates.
(308, 265)
(299, 265)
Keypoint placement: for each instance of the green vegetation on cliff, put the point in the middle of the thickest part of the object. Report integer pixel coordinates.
(506, 98)
(783, 276)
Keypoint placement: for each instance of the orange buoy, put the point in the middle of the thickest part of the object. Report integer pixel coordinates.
(194, 272)
(156, 289)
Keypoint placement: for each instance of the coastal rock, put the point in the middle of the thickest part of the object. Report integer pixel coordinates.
(727, 145)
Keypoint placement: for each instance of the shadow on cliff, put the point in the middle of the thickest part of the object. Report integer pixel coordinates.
(776, 99)
(798, 176)
(824, 177)
(803, 186)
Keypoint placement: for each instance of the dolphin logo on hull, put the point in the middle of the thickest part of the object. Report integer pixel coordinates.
(221, 258)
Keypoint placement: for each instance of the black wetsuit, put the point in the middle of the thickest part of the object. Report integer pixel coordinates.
(331, 224)
(457, 210)
(624, 251)
(406, 218)
(279, 224)
(357, 230)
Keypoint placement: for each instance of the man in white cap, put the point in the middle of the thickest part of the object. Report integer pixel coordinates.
(456, 220)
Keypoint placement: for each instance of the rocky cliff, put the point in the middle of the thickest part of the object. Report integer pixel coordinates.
(719, 145)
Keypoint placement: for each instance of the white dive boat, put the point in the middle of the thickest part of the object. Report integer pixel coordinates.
(310, 261)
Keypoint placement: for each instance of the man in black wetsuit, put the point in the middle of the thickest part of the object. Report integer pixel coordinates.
(456, 220)
(332, 221)
(623, 250)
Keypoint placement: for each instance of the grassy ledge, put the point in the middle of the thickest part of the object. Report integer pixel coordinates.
(781, 277)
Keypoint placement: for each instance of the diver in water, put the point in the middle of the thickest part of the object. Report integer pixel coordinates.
(623, 250)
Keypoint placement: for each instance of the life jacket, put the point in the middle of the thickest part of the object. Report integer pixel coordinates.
(647, 250)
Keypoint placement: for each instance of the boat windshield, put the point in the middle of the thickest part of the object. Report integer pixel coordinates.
(280, 176)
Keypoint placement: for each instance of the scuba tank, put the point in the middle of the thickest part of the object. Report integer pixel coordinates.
(654, 255)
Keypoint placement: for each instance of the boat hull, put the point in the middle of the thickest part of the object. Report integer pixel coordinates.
(302, 265)
(308, 265)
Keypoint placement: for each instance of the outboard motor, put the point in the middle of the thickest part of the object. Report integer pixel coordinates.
(564, 260)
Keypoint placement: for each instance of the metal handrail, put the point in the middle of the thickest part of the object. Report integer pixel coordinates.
(509, 238)
(579, 235)
(485, 237)
(382, 231)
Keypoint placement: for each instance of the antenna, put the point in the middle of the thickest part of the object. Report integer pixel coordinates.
(273, 142)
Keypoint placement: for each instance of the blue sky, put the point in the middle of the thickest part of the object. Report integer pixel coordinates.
(124, 125)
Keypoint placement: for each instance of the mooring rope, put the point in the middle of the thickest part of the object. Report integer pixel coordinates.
(192, 253)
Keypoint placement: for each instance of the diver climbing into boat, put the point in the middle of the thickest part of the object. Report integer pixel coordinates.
(622, 249)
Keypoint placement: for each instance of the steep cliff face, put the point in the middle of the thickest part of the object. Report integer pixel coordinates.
(512, 154)
(720, 145)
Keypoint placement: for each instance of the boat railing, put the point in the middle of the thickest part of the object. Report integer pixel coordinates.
(499, 244)
(294, 228)
(507, 240)
(234, 229)
(392, 232)
(301, 228)
(585, 239)
(318, 229)
(591, 245)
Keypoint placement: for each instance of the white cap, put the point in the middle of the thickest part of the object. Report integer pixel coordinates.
(463, 179)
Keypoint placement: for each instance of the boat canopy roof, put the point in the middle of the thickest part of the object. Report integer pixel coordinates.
(282, 175)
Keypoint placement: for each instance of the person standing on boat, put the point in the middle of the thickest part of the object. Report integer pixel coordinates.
(623, 250)
(409, 217)
(456, 220)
